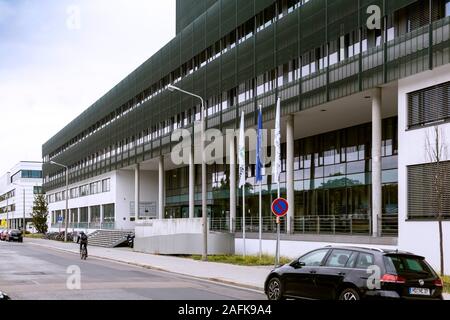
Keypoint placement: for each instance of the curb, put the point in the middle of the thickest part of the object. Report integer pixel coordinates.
(149, 267)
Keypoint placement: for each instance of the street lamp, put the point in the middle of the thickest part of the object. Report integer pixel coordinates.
(202, 144)
(24, 226)
(66, 214)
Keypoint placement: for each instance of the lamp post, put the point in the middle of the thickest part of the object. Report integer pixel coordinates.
(7, 213)
(66, 214)
(24, 226)
(202, 144)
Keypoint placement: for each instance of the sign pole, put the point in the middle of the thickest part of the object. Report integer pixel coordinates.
(277, 258)
(280, 208)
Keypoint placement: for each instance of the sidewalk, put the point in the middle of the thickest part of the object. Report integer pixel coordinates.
(250, 277)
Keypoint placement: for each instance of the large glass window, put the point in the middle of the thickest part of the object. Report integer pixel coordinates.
(95, 214)
(108, 213)
(84, 215)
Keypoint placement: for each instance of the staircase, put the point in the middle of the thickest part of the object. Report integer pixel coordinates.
(108, 238)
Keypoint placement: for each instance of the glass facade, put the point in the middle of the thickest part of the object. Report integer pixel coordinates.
(332, 173)
(27, 174)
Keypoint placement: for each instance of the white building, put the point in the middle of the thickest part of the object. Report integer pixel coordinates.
(18, 188)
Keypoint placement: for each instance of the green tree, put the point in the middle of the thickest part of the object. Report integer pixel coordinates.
(40, 213)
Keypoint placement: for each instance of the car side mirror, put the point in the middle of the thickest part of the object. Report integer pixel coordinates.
(298, 264)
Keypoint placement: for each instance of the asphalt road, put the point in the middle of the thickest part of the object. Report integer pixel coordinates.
(29, 272)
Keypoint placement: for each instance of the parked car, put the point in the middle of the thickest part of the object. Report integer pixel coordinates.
(352, 273)
(14, 235)
(4, 296)
(3, 235)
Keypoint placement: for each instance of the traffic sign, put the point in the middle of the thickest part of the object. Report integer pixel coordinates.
(280, 207)
(60, 219)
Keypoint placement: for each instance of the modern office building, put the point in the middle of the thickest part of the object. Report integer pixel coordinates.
(362, 85)
(18, 188)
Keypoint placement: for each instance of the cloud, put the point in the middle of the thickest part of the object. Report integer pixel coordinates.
(50, 73)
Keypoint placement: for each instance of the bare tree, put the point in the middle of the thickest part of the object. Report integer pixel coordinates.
(437, 151)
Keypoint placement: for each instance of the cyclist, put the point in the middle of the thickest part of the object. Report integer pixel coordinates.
(83, 241)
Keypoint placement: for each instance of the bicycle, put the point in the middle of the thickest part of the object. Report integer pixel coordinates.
(83, 253)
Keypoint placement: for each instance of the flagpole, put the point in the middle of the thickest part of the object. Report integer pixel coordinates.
(243, 218)
(260, 219)
(242, 178)
(277, 171)
(277, 262)
(259, 163)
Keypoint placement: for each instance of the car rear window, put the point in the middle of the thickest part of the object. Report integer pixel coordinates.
(398, 264)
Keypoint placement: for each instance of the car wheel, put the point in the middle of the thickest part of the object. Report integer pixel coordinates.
(349, 294)
(274, 290)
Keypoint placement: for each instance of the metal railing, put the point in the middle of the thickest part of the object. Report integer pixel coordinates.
(320, 225)
(344, 224)
(86, 225)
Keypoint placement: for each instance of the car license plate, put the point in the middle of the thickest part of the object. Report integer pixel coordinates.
(419, 291)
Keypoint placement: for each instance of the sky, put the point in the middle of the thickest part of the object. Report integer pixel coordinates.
(57, 57)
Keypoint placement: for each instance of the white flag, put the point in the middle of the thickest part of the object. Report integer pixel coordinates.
(241, 152)
(276, 167)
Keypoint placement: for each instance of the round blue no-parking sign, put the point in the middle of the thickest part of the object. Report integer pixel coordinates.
(280, 207)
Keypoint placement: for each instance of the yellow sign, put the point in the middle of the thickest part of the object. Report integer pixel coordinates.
(3, 223)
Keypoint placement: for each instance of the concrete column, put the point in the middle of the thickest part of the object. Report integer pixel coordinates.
(101, 214)
(78, 215)
(137, 191)
(290, 171)
(89, 215)
(161, 190)
(191, 183)
(376, 161)
(232, 184)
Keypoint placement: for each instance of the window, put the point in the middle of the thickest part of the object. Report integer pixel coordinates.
(314, 259)
(428, 106)
(108, 213)
(95, 214)
(338, 258)
(397, 264)
(106, 185)
(365, 260)
(423, 198)
(37, 190)
(84, 190)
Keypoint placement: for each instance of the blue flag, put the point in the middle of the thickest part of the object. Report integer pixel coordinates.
(259, 150)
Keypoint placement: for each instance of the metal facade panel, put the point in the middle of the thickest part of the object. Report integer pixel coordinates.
(275, 45)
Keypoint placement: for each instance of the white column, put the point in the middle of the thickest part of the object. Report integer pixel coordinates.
(290, 171)
(376, 161)
(161, 190)
(101, 214)
(89, 215)
(232, 184)
(191, 183)
(137, 191)
(78, 215)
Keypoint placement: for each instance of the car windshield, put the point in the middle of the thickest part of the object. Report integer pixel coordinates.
(408, 266)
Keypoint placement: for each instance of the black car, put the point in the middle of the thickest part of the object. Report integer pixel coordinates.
(353, 273)
(15, 235)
